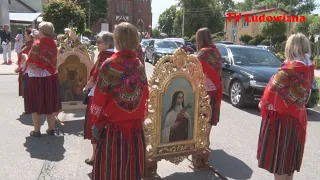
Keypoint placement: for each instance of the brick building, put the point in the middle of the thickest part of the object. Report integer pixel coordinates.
(136, 12)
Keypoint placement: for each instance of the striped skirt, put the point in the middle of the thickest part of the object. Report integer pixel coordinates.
(215, 108)
(87, 132)
(20, 81)
(41, 94)
(279, 149)
(118, 159)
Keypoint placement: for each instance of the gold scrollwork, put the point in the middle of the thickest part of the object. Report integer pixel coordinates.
(177, 148)
(188, 67)
(176, 160)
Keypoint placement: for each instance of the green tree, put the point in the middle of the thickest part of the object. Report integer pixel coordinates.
(245, 38)
(99, 9)
(177, 25)
(166, 20)
(271, 29)
(315, 26)
(155, 33)
(303, 27)
(62, 13)
(202, 13)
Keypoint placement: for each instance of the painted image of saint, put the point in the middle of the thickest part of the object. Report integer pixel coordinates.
(177, 122)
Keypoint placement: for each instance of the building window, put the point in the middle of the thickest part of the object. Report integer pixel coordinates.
(126, 8)
(235, 24)
(122, 4)
(118, 8)
(245, 23)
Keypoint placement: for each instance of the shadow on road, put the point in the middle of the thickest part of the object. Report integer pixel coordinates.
(46, 148)
(313, 115)
(228, 166)
(74, 127)
(26, 119)
(193, 175)
(252, 109)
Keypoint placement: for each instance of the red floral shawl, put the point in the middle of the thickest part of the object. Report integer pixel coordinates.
(121, 94)
(210, 59)
(25, 49)
(288, 91)
(43, 53)
(104, 55)
(140, 54)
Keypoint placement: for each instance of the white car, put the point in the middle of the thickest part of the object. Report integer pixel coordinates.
(181, 40)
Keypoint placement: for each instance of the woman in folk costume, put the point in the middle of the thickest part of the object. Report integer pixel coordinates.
(42, 90)
(21, 61)
(210, 58)
(119, 107)
(105, 40)
(284, 118)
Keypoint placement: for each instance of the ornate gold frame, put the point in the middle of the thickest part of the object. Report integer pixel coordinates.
(168, 68)
(84, 58)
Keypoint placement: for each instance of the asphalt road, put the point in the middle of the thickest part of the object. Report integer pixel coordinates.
(233, 142)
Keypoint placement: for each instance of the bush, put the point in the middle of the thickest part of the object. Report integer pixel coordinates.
(193, 39)
(283, 46)
(186, 38)
(259, 38)
(266, 42)
(253, 42)
(87, 33)
(62, 13)
(245, 38)
(281, 56)
(317, 62)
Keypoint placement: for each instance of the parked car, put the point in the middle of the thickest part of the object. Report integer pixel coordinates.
(246, 72)
(224, 42)
(190, 44)
(187, 49)
(88, 41)
(268, 48)
(158, 48)
(181, 40)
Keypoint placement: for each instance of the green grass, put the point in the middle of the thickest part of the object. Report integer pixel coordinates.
(318, 79)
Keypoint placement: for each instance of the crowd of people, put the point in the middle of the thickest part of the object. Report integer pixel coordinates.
(117, 94)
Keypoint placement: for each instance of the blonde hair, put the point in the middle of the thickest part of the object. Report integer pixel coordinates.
(203, 38)
(297, 46)
(126, 37)
(46, 28)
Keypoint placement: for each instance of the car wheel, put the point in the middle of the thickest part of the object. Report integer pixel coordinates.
(188, 52)
(237, 94)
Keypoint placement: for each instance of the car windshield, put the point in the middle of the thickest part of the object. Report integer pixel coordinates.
(254, 57)
(166, 44)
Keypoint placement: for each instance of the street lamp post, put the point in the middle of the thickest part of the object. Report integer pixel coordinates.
(89, 16)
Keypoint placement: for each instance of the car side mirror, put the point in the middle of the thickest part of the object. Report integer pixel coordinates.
(225, 60)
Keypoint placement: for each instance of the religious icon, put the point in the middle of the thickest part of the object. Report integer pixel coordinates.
(177, 111)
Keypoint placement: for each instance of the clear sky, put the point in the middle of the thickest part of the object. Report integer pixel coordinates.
(158, 6)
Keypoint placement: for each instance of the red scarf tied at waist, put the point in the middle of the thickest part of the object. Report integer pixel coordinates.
(25, 49)
(288, 91)
(121, 93)
(210, 59)
(103, 55)
(43, 53)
